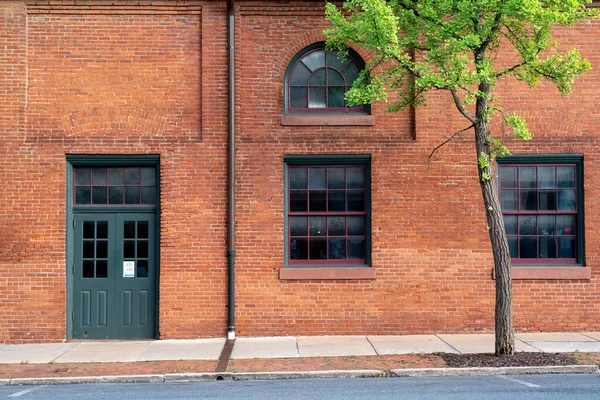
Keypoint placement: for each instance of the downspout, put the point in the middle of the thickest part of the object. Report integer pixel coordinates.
(231, 170)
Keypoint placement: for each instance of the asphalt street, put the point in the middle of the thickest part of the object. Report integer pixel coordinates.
(509, 387)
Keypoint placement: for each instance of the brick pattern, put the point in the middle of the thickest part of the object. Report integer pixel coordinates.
(149, 77)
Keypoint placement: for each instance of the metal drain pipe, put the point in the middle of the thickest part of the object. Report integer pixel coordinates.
(231, 170)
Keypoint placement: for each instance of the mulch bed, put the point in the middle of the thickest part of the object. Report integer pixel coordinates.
(518, 360)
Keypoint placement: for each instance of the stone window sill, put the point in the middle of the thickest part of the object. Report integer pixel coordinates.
(327, 273)
(549, 273)
(328, 120)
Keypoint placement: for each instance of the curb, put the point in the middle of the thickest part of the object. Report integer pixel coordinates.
(248, 376)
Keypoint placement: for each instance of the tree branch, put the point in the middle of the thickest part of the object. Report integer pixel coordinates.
(439, 146)
(460, 107)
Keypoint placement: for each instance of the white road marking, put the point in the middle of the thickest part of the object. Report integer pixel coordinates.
(22, 392)
(532, 385)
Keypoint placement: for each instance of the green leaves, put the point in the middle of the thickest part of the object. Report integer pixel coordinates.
(519, 126)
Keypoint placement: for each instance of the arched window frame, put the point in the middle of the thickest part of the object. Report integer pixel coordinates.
(298, 59)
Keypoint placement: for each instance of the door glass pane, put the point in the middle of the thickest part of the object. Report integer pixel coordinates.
(337, 200)
(298, 200)
(129, 249)
(142, 269)
(129, 229)
(101, 269)
(356, 248)
(527, 224)
(547, 200)
(547, 177)
(102, 249)
(316, 97)
(546, 225)
(528, 247)
(102, 230)
(83, 195)
(510, 224)
(88, 229)
(132, 195)
(337, 249)
(566, 177)
(527, 177)
(509, 201)
(317, 201)
(298, 226)
(318, 249)
(298, 179)
(299, 249)
(142, 249)
(356, 200)
(99, 195)
(142, 230)
(99, 176)
(508, 177)
(88, 249)
(528, 200)
(548, 247)
(336, 226)
(318, 226)
(87, 269)
(316, 178)
(335, 178)
(566, 200)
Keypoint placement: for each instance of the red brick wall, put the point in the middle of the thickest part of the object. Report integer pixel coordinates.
(116, 77)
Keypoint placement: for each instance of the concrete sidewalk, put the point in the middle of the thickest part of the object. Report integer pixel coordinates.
(289, 347)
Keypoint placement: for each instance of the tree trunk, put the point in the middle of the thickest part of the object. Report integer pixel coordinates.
(505, 339)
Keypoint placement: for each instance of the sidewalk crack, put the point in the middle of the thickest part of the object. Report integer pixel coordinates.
(448, 344)
(373, 346)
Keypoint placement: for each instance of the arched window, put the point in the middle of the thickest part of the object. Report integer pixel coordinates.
(317, 81)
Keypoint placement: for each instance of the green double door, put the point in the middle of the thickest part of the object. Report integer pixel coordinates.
(114, 285)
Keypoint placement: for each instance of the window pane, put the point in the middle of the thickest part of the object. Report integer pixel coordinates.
(132, 176)
(115, 195)
(318, 78)
(148, 195)
(565, 224)
(129, 229)
(548, 247)
(101, 269)
(356, 248)
(298, 200)
(566, 177)
(318, 249)
(149, 176)
(142, 269)
(350, 73)
(546, 225)
(115, 176)
(528, 247)
(334, 78)
(528, 200)
(82, 176)
(337, 249)
(102, 230)
(102, 249)
(566, 247)
(315, 59)
(83, 195)
(142, 249)
(513, 247)
(547, 177)
(298, 97)
(335, 178)
(356, 200)
(566, 200)
(87, 269)
(527, 224)
(337, 226)
(99, 195)
(509, 201)
(333, 60)
(356, 226)
(132, 195)
(527, 177)
(88, 229)
(508, 177)
(298, 226)
(318, 226)
(317, 201)
(98, 176)
(129, 249)
(298, 178)
(142, 230)
(336, 97)
(547, 200)
(316, 97)
(355, 178)
(510, 224)
(298, 249)
(300, 75)
(316, 178)
(337, 200)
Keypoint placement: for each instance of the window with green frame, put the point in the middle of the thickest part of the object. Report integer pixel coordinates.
(542, 205)
(327, 210)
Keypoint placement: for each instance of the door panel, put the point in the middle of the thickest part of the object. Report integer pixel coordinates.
(114, 276)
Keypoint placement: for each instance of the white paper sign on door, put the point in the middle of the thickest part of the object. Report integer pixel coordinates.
(128, 269)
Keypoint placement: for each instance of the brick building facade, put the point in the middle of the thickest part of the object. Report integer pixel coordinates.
(105, 103)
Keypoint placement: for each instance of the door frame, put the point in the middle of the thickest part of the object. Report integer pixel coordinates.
(77, 160)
